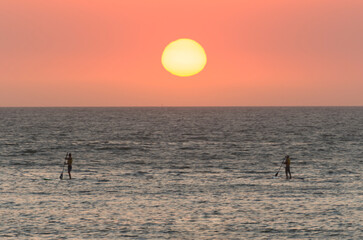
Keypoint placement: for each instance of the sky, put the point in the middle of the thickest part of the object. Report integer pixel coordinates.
(108, 52)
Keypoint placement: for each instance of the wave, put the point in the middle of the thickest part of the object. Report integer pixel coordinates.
(106, 148)
(28, 151)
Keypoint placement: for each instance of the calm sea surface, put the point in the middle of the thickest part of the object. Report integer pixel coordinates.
(181, 173)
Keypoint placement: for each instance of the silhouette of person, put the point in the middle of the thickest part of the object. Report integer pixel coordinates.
(69, 162)
(287, 167)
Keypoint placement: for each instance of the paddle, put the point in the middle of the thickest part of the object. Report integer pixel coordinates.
(61, 176)
(279, 168)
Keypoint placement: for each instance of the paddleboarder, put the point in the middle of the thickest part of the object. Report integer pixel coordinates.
(287, 167)
(69, 162)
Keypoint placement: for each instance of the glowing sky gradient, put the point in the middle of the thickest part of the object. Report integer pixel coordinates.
(108, 52)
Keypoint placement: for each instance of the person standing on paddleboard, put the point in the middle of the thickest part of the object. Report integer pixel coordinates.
(287, 167)
(69, 162)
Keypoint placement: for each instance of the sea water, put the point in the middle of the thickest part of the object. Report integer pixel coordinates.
(181, 173)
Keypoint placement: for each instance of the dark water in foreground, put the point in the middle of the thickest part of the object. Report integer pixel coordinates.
(181, 173)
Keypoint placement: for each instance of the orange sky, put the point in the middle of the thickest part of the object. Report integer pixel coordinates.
(108, 52)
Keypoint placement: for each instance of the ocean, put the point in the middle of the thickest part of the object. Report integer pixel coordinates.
(181, 173)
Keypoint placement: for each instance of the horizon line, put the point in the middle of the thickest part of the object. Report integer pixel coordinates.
(186, 106)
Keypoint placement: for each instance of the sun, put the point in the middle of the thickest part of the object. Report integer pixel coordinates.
(184, 57)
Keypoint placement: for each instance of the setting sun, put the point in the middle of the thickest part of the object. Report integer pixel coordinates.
(184, 57)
